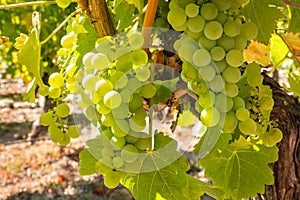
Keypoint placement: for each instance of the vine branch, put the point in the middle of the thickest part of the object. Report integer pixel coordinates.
(61, 25)
(292, 4)
(149, 20)
(17, 5)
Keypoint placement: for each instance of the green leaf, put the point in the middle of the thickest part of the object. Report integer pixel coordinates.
(87, 163)
(241, 168)
(295, 18)
(124, 15)
(294, 81)
(30, 93)
(264, 16)
(139, 4)
(278, 50)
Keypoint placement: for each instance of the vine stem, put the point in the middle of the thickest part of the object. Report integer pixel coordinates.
(149, 20)
(17, 5)
(292, 4)
(61, 25)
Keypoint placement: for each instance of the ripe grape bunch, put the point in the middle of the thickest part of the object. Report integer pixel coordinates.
(231, 93)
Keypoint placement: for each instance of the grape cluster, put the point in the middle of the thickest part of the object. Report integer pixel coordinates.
(58, 129)
(211, 48)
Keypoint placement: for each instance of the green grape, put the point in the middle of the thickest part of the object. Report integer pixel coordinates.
(120, 128)
(248, 127)
(89, 81)
(198, 86)
(210, 116)
(56, 80)
(240, 42)
(67, 40)
(213, 30)
(101, 168)
(231, 89)
(133, 84)
(186, 52)
(232, 74)
(223, 103)
(238, 102)
(131, 139)
(129, 153)
(63, 3)
(196, 24)
(135, 103)
(201, 57)
(103, 44)
(99, 61)
(227, 43)
(107, 162)
(87, 59)
(124, 63)
(230, 122)
(177, 16)
(102, 109)
(221, 65)
(112, 179)
(112, 99)
(56, 135)
(232, 28)
(221, 18)
(44, 91)
(119, 79)
(207, 99)
(142, 73)
(107, 120)
(235, 58)
(206, 43)
(242, 114)
(139, 58)
(95, 97)
(73, 131)
(266, 103)
(249, 30)
(209, 11)
(254, 79)
(107, 152)
(107, 136)
(207, 73)
(192, 10)
(188, 71)
(271, 138)
(141, 112)
(193, 35)
(103, 86)
(65, 141)
(91, 113)
(137, 124)
(118, 142)
(47, 118)
(222, 5)
(143, 143)
(117, 162)
(121, 112)
(62, 110)
(135, 40)
(217, 53)
(180, 28)
(148, 90)
(126, 94)
(217, 84)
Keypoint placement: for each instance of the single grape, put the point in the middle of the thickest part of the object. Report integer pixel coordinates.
(120, 128)
(227, 43)
(65, 141)
(119, 79)
(248, 127)
(103, 44)
(254, 79)
(206, 43)
(135, 40)
(188, 71)
(131, 139)
(192, 10)
(209, 11)
(99, 61)
(232, 28)
(129, 153)
(118, 142)
(68, 40)
(107, 120)
(63, 3)
(54, 93)
(112, 99)
(121, 112)
(133, 84)
(56, 80)
(221, 18)
(177, 16)
(47, 118)
(62, 110)
(210, 116)
(217, 84)
(196, 24)
(266, 103)
(56, 135)
(102, 109)
(222, 5)
(230, 122)
(111, 180)
(235, 58)
(107, 152)
(217, 53)
(231, 89)
(126, 95)
(201, 57)
(198, 86)
(143, 143)
(135, 103)
(207, 73)
(231, 74)
(272, 137)
(103, 86)
(117, 162)
(73, 131)
(148, 90)
(142, 73)
(242, 114)
(223, 103)
(89, 81)
(240, 42)
(213, 30)
(238, 102)
(139, 58)
(87, 59)
(124, 63)
(137, 125)
(221, 65)
(207, 99)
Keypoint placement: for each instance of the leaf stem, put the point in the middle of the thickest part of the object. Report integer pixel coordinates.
(61, 25)
(17, 5)
(292, 4)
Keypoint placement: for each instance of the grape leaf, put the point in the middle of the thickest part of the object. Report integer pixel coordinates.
(257, 52)
(263, 16)
(30, 93)
(295, 18)
(87, 163)
(294, 81)
(139, 4)
(241, 168)
(124, 15)
(278, 50)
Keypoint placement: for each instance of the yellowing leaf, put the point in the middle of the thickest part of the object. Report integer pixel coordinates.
(293, 41)
(278, 49)
(257, 52)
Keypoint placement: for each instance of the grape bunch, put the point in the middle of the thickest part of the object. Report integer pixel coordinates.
(211, 48)
(58, 128)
